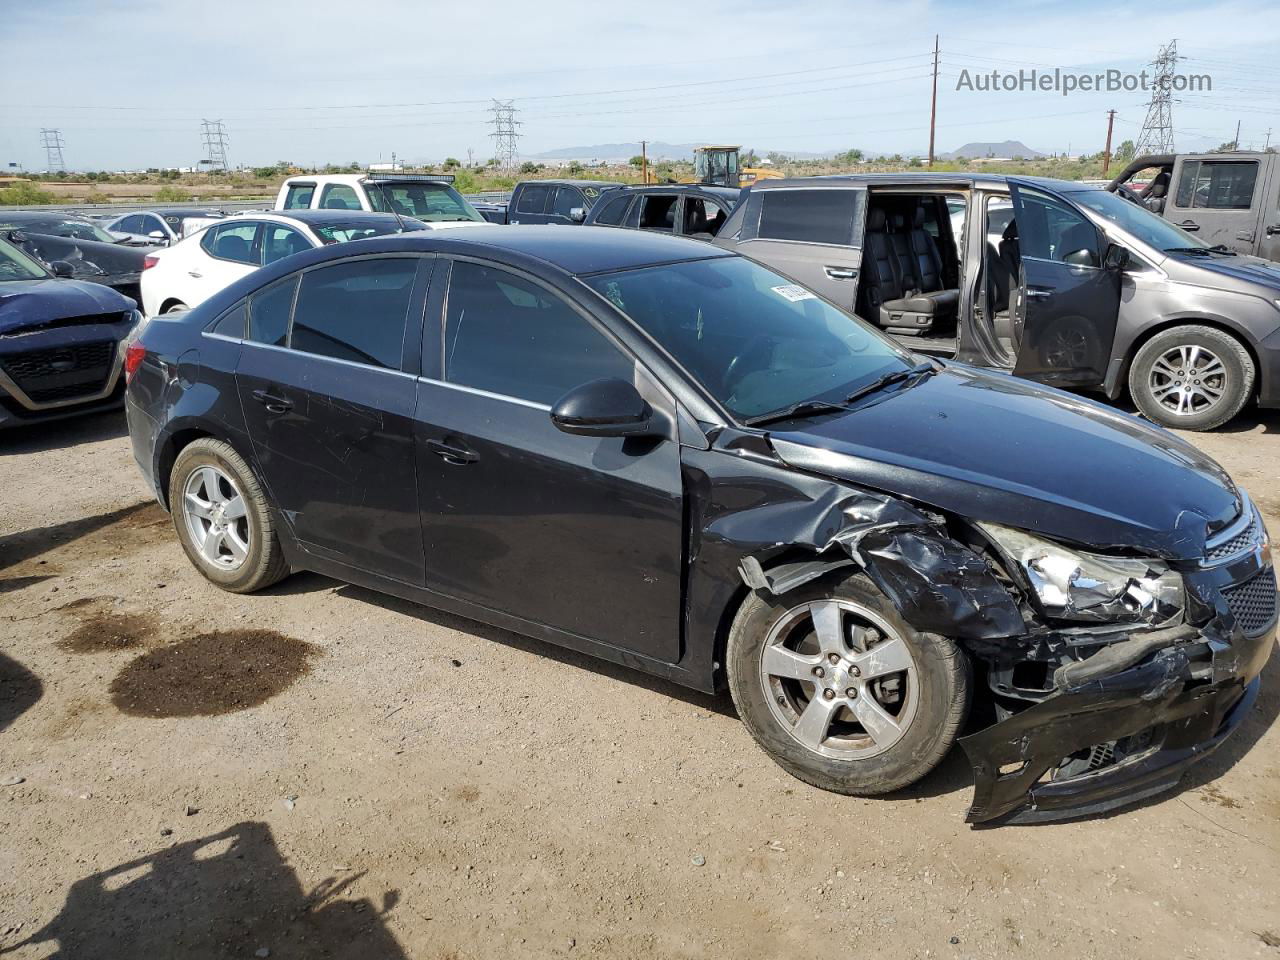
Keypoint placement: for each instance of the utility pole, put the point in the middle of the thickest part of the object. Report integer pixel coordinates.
(1156, 135)
(51, 140)
(1268, 146)
(214, 134)
(504, 134)
(933, 108)
(1106, 154)
(471, 154)
(1235, 144)
(644, 162)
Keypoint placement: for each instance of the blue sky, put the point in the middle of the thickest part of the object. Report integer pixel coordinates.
(128, 82)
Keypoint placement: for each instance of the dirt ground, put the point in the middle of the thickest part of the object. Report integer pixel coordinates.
(323, 771)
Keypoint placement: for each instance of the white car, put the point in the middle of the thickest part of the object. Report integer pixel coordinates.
(194, 269)
(429, 197)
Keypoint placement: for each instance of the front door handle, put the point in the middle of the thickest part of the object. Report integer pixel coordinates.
(1039, 293)
(841, 273)
(1273, 229)
(457, 456)
(273, 403)
(1189, 225)
(195, 273)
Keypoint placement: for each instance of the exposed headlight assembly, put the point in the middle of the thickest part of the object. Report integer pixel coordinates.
(1089, 587)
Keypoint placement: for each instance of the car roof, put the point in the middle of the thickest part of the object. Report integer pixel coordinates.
(578, 183)
(321, 217)
(726, 193)
(581, 250)
(924, 178)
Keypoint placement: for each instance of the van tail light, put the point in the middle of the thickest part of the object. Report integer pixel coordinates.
(133, 355)
(149, 261)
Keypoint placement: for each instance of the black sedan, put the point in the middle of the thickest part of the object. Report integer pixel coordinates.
(642, 448)
(59, 342)
(76, 247)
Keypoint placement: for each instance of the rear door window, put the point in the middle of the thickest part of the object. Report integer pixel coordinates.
(533, 199)
(299, 196)
(339, 196)
(658, 212)
(233, 241)
(613, 211)
(355, 311)
(1217, 184)
(280, 241)
(809, 216)
(566, 199)
(509, 336)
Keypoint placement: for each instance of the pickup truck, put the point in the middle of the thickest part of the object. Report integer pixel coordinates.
(549, 201)
(1232, 199)
(427, 197)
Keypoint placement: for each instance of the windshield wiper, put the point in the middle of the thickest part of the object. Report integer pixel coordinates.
(875, 386)
(801, 409)
(1196, 251)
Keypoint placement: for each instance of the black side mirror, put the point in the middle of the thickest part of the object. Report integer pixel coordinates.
(578, 214)
(604, 408)
(1117, 257)
(1084, 257)
(60, 268)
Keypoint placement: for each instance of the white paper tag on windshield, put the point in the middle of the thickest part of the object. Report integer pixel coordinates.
(793, 292)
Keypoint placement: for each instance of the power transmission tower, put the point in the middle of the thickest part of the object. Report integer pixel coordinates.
(214, 134)
(1157, 128)
(504, 134)
(51, 140)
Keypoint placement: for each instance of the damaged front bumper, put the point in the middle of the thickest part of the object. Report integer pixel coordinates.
(1127, 722)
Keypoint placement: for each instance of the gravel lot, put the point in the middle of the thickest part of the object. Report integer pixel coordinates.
(323, 771)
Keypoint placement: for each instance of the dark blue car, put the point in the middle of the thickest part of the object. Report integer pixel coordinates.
(670, 457)
(59, 342)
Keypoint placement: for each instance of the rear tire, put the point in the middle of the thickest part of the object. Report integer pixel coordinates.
(842, 692)
(1191, 378)
(222, 518)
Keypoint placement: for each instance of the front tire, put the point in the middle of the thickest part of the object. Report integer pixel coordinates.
(842, 692)
(222, 518)
(1191, 378)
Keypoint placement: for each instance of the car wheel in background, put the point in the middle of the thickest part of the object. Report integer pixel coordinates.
(1191, 378)
(222, 518)
(840, 691)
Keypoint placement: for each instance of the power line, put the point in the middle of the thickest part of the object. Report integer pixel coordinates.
(51, 140)
(1157, 128)
(504, 134)
(215, 144)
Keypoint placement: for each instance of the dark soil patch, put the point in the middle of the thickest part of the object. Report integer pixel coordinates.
(210, 674)
(109, 631)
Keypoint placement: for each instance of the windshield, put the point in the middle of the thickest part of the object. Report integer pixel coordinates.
(75, 229)
(432, 202)
(1137, 220)
(342, 232)
(16, 265)
(756, 341)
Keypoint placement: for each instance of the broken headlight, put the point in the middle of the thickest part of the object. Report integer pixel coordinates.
(1073, 585)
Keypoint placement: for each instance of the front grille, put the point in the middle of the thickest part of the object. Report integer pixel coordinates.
(1242, 541)
(1253, 603)
(61, 373)
(81, 321)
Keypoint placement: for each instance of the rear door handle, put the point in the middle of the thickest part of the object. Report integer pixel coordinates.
(1039, 293)
(458, 456)
(195, 273)
(273, 403)
(1273, 229)
(841, 273)
(1189, 225)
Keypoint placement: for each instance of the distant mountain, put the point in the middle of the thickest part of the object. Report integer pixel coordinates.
(1005, 148)
(620, 151)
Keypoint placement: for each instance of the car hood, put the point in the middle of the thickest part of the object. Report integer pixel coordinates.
(109, 258)
(990, 447)
(1240, 267)
(29, 304)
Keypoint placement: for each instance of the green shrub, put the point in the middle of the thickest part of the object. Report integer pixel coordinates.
(23, 195)
(170, 194)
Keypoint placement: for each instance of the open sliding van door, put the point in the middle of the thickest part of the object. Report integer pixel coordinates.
(1067, 303)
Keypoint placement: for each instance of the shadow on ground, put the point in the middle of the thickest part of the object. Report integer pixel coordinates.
(17, 547)
(53, 434)
(20, 689)
(230, 894)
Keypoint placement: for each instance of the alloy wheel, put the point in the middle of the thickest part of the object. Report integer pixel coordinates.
(1187, 380)
(839, 679)
(214, 510)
